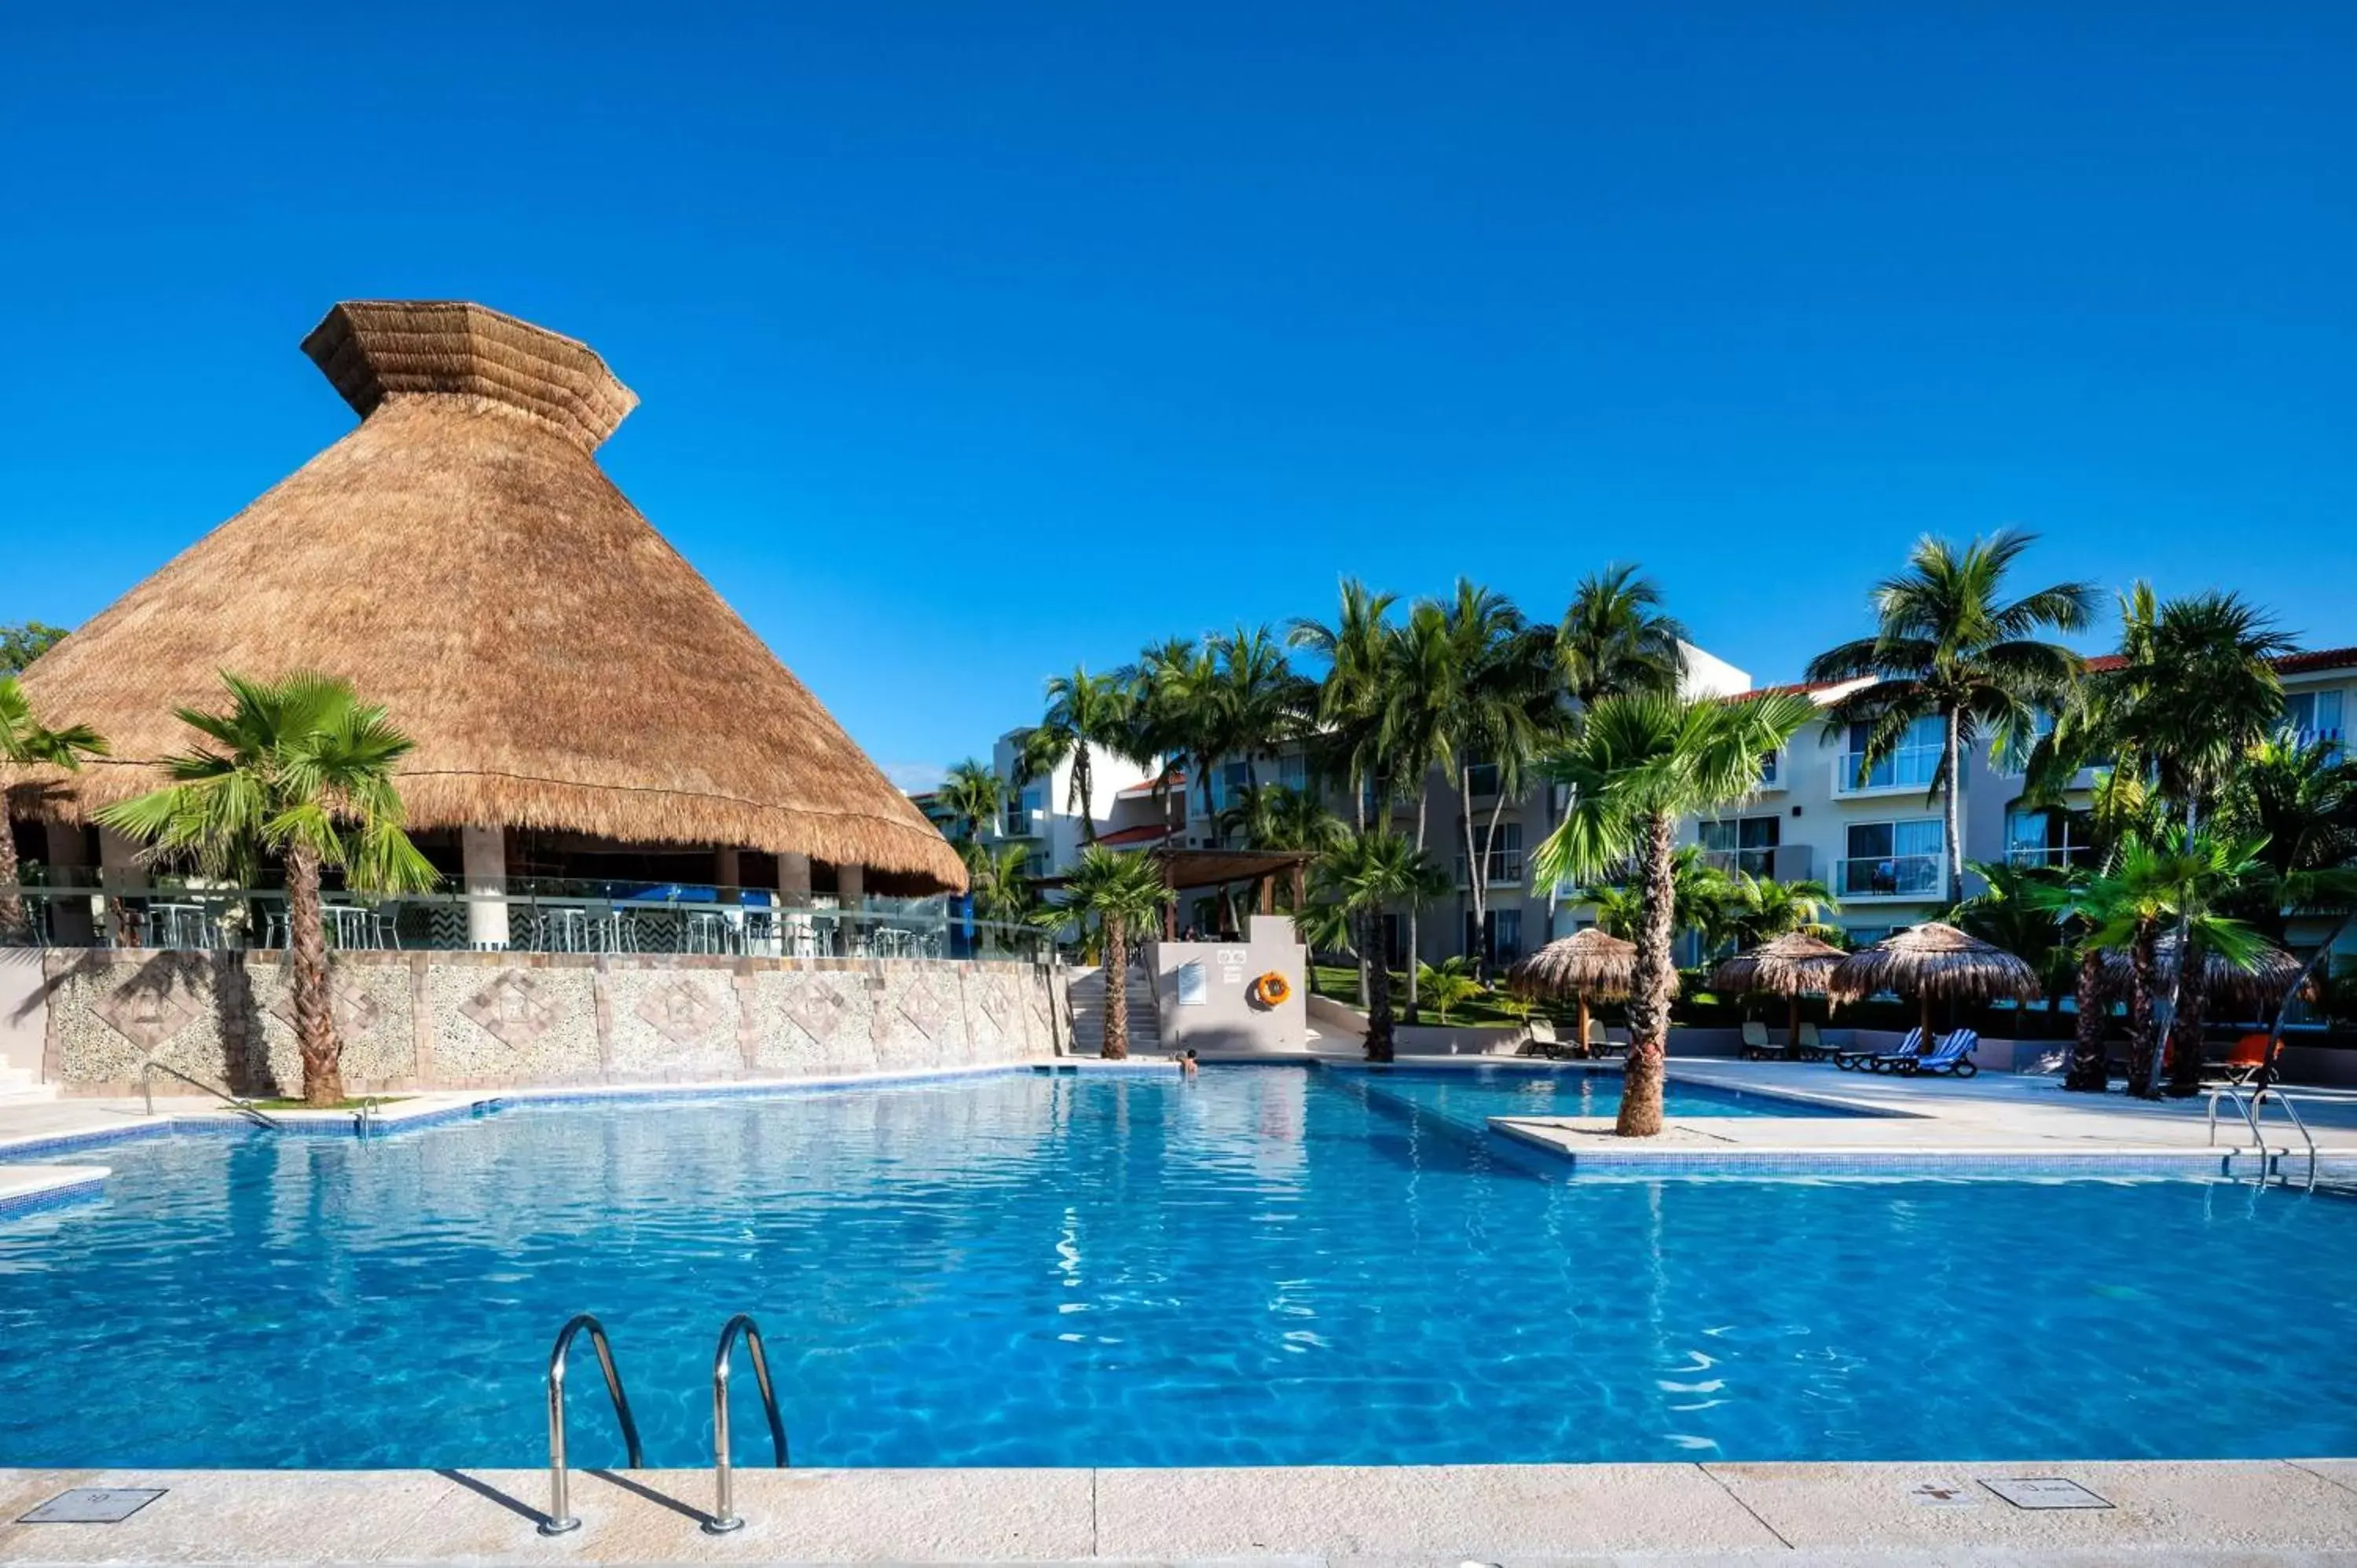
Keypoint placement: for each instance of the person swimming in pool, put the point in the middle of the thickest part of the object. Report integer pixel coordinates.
(1187, 1061)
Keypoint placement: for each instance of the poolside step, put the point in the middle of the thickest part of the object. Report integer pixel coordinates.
(19, 1085)
(1088, 996)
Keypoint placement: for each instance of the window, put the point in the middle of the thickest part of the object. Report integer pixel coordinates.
(1500, 941)
(2313, 717)
(1746, 843)
(2046, 838)
(1293, 772)
(1893, 860)
(1912, 762)
(1227, 784)
(1767, 767)
(1481, 778)
(1502, 859)
(1023, 811)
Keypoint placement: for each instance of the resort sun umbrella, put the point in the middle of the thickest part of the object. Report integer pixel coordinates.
(1935, 962)
(2259, 988)
(1788, 966)
(1585, 965)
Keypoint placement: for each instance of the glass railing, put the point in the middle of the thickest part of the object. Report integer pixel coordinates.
(565, 917)
(2050, 854)
(1761, 862)
(1887, 876)
(1909, 767)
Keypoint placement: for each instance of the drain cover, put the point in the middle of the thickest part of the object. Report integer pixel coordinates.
(1943, 1495)
(2047, 1492)
(93, 1505)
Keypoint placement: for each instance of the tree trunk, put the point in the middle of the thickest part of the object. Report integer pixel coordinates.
(1210, 813)
(2185, 1048)
(1954, 826)
(1656, 979)
(2089, 1073)
(15, 925)
(1488, 848)
(2165, 1022)
(1116, 991)
(1475, 879)
(1080, 790)
(306, 963)
(1423, 799)
(2319, 959)
(1378, 990)
(2144, 1062)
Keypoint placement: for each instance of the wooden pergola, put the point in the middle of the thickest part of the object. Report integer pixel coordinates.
(1186, 869)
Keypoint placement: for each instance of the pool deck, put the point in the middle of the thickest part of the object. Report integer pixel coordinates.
(2264, 1511)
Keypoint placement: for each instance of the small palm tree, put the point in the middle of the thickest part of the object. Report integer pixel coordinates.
(1767, 908)
(1256, 697)
(1350, 697)
(1124, 895)
(2014, 909)
(1637, 765)
(1087, 715)
(1449, 983)
(1616, 637)
(1949, 645)
(26, 741)
(1004, 892)
(1363, 877)
(973, 791)
(303, 768)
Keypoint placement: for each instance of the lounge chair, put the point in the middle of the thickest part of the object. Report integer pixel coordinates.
(1615, 1040)
(1540, 1039)
(1596, 1041)
(2244, 1063)
(1953, 1054)
(1808, 1045)
(1757, 1047)
(1903, 1059)
(1858, 1056)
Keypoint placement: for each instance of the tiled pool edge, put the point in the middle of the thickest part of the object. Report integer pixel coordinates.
(38, 1189)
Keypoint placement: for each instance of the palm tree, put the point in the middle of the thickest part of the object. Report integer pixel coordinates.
(1256, 696)
(1004, 893)
(303, 768)
(1417, 726)
(1615, 639)
(1619, 908)
(1502, 704)
(973, 791)
(1176, 713)
(1350, 700)
(1448, 982)
(1363, 877)
(1768, 908)
(1085, 713)
(26, 741)
(1948, 645)
(2014, 909)
(1124, 894)
(1638, 765)
(2302, 800)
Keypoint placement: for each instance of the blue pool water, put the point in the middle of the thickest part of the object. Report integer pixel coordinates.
(1471, 1095)
(1256, 1267)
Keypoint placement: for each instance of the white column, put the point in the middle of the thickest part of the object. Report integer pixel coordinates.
(794, 880)
(485, 853)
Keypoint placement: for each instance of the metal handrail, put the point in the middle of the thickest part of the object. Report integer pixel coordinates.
(724, 1499)
(366, 1112)
(560, 1512)
(148, 1070)
(2250, 1107)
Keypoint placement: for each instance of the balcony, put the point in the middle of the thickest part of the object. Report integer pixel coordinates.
(1909, 767)
(2304, 735)
(2051, 854)
(1505, 869)
(1019, 825)
(1776, 863)
(1918, 877)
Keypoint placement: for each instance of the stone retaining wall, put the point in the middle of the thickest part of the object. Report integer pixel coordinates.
(455, 1020)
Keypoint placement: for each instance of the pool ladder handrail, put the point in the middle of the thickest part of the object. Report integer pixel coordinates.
(2250, 1107)
(561, 1519)
(151, 1066)
(725, 1517)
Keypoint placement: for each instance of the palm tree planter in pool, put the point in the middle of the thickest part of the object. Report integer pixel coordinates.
(303, 768)
(1125, 895)
(1948, 645)
(1638, 765)
(25, 742)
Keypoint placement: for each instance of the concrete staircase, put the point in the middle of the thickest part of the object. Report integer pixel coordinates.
(1088, 993)
(19, 1085)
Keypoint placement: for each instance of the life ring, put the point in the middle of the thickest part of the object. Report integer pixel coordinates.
(1272, 990)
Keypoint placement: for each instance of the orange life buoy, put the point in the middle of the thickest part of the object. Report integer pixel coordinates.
(1272, 990)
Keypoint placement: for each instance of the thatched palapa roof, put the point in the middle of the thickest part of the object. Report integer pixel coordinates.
(1787, 966)
(1935, 962)
(1590, 963)
(461, 559)
(2261, 988)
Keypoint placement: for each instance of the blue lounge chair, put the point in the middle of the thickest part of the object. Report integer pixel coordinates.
(1953, 1054)
(1855, 1058)
(1910, 1051)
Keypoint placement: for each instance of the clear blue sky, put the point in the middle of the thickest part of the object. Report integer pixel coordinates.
(975, 340)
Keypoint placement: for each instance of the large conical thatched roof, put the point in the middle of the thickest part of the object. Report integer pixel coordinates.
(1935, 962)
(1590, 962)
(461, 559)
(2261, 988)
(1786, 966)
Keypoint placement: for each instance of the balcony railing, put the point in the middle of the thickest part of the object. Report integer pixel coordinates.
(1889, 876)
(1505, 868)
(2051, 854)
(2305, 736)
(1909, 767)
(1776, 863)
(1019, 825)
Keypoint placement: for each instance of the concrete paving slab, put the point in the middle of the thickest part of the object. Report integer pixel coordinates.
(2221, 1505)
(208, 1516)
(1456, 1512)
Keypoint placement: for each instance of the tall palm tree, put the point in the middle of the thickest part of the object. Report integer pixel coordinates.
(973, 791)
(1502, 706)
(2301, 799)
(1949, 644)
(1175, 711)
(1768, 908)
(26, 741)
(304, 769)
(1363, 877)
(1087, 715)
(1349, 702)
(1124, 894)
(2015, 910)
(1615, 639)
(1256, 696)
(1638, 765)
(1416, 729)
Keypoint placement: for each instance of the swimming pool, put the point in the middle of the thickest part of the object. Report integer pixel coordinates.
(1471, 1095)
(1072, 1269)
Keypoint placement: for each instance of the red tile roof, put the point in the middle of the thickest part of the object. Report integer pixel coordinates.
(1175, 778)
(1122, 838)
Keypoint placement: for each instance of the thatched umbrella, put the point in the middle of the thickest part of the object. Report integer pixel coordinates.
(2259, 988)
(1788, 966)
(1935, 962)
(461, 559)
(1589, 964)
